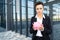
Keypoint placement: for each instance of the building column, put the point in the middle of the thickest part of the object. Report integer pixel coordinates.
(34, 7)
(20, 16)
(9, 14)
(27, 17)
(51, 17)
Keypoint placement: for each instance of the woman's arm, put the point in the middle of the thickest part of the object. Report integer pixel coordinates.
(48, 28)
(31, 26)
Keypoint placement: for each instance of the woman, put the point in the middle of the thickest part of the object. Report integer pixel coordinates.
(42, 33)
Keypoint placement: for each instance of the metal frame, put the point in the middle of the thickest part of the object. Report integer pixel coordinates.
(20, 17)
(34, 7)
(15, 18)
(9, 16)
(27, 17)
(52, 2)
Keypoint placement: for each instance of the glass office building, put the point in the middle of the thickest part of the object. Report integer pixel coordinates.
(16, 15)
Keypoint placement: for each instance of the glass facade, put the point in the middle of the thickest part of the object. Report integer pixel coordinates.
(56, 12)
(22, 9)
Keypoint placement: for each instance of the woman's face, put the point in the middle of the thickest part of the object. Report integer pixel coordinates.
(39, 9)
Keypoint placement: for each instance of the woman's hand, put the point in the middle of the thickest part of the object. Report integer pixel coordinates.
(33, 27)
(37, 26)
(41, 27)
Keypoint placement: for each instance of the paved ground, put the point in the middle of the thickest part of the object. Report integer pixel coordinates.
(9, 35)
(56, 32)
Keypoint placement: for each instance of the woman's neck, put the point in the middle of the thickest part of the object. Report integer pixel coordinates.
(40, 15)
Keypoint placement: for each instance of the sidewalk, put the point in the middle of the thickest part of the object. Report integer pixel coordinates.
(9, 35)
(56, 32)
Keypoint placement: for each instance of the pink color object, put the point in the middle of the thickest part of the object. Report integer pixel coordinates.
(37, 25)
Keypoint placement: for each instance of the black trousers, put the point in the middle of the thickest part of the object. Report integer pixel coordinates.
(40, 38)
(37, 38)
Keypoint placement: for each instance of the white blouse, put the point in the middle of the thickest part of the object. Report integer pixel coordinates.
(39, 31)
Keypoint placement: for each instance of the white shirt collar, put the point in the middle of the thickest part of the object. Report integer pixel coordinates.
(43, 16)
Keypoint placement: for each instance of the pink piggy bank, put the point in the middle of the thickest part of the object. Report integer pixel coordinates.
(37, 25)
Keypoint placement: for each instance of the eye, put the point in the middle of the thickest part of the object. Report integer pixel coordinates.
(37, 8)
(40, 8)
